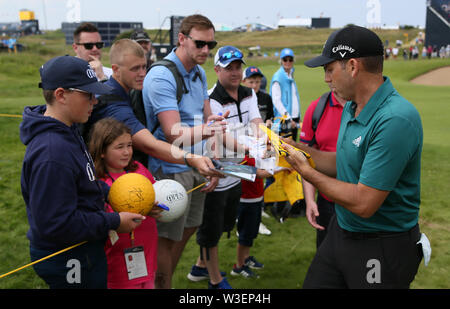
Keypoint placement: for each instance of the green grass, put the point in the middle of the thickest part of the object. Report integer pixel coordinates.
(288, 252)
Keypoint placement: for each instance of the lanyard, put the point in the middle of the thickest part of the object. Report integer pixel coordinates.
(110, 177)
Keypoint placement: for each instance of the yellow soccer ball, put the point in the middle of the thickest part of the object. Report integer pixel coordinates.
(132, 192)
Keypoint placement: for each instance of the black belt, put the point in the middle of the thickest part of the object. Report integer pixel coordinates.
(415, 232)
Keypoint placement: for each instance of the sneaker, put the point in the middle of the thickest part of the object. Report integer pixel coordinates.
(200, 273)
(264, 214)
(222, 285)
(280, 210)
(243, 271)
(264, 230)
(253, 263)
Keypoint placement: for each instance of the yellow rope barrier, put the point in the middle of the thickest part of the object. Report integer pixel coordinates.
(79, 244)
(199, 186)
(10, 115)
(44, 258)
(71, 247)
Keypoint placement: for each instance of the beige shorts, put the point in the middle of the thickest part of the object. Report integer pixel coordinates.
(194, 211)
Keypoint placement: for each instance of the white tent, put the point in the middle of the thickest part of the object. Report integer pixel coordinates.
(294, 22)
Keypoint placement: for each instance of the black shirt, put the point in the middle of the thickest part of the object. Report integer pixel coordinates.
(265, 105)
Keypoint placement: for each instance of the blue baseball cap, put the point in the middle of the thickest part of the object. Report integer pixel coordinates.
(286, 52)
(227, 54)
(251, 71)
(71, 72)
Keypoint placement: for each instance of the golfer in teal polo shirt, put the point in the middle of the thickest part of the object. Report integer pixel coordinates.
(381, 148)
(374, 241)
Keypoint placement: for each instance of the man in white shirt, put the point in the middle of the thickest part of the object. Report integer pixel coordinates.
(240, 106)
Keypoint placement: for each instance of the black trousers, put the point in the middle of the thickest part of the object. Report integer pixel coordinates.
(365, 260)
(295, 130)
(221, 209)
(292, 130)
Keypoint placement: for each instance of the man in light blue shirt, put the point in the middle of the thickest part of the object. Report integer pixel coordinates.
(159, 97)
(183, 124)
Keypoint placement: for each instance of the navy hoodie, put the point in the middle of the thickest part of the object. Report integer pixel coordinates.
(65, 204)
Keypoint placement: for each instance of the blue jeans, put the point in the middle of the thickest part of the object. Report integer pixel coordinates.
(83, 267)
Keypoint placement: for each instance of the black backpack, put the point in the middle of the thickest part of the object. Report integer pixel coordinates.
(181, 86)
(137, 102)
(317, 114)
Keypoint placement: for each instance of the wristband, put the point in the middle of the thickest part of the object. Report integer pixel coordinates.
(185, 159)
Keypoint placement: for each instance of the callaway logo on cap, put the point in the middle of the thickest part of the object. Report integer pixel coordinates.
(342, 50)
(349, 42)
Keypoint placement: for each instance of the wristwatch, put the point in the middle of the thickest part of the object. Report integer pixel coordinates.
(185, 159)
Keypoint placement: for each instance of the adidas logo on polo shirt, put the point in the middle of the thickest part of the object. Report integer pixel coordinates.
(357, 141)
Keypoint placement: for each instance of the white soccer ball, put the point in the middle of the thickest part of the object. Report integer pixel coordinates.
(172, 194)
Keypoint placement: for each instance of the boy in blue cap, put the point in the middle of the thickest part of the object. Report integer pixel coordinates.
(65, 203)
(252, 78)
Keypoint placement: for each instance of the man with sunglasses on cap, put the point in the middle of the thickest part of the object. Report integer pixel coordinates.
(64, 201)
(240, 105)
(374, 240)
(87, 45)
(185, 124)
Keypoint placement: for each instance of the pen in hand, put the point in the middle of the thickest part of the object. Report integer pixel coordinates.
(212, 121)
(163, 206)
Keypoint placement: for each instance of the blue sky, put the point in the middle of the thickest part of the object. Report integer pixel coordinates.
(233, 13)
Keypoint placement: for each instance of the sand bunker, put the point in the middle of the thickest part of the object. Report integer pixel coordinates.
(438, 77)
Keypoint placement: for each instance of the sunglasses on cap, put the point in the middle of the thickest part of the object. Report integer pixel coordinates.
(288, 59)
(230, 54)
(201, 44)
(89, 46)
